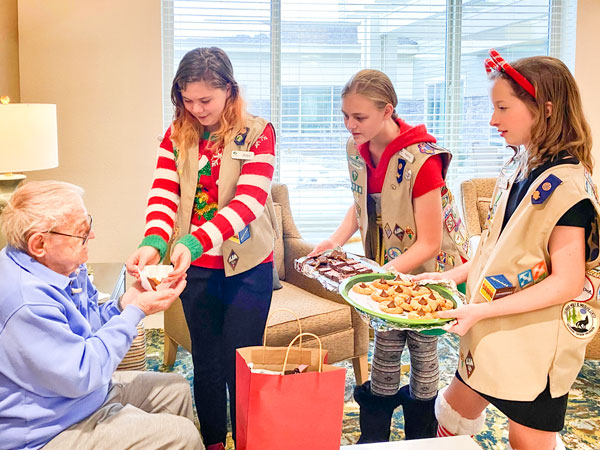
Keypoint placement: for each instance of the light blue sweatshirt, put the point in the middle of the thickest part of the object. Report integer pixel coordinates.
(58, 349)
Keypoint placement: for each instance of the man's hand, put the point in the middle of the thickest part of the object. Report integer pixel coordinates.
(139, 259)
(151, 302)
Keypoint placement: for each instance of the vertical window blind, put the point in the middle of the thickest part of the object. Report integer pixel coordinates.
(292, 59)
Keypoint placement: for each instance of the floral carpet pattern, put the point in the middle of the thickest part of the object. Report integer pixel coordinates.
(582, 427)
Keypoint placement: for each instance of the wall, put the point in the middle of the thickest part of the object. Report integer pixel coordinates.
(587, 67)
(99, 61)
(9, 50)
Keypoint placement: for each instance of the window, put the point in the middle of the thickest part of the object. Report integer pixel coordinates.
(293, 57)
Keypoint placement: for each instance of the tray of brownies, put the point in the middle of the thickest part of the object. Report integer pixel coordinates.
(331, 267)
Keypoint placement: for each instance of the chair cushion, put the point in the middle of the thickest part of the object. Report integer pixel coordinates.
(317, 315)
(278, 249)
(329, 320)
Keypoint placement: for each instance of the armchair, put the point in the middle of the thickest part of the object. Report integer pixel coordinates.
(343, 333)
(476, 198)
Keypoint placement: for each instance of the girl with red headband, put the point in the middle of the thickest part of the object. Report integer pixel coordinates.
(532, 307)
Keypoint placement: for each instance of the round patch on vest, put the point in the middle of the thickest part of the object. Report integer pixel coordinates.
(393, 253)
(588, 291)
(580, 319)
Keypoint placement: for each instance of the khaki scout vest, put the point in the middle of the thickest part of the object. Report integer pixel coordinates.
(511, 357)
(239, 255)
(397, 215)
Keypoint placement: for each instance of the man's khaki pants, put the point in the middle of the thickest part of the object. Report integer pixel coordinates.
(143, 410)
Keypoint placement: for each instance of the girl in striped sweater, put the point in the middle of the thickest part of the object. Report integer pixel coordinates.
(210, 199)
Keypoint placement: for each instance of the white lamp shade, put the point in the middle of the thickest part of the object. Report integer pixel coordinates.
(28, 137)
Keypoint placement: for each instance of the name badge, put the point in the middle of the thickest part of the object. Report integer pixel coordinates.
(238, 154)
(407, 155)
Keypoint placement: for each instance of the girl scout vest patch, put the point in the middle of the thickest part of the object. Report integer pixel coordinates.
(578, 316)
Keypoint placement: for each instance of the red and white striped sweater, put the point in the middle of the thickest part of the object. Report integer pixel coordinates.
(209, 225)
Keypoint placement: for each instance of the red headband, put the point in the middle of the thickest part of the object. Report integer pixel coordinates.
(497, 63)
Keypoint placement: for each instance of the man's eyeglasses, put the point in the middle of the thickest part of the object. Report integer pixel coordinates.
(84, 238)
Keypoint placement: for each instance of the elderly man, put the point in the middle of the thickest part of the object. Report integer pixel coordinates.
(59, 349)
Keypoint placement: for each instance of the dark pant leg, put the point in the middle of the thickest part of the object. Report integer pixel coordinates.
(247, 298)
(203, 308)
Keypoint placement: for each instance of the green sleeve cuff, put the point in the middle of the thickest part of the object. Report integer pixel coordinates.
(193, 244)
(157, 242)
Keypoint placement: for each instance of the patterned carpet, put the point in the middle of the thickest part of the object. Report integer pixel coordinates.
(582, 429)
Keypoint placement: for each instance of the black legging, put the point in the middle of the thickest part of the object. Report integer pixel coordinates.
(222, 313)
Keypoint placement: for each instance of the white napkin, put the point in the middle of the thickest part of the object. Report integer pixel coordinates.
(157, 272)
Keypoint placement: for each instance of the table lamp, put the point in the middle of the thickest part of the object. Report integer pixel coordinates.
(28, 141)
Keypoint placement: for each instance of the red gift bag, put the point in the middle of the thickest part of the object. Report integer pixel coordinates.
(288, 410)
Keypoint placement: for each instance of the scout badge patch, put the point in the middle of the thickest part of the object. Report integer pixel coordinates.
(401, 165)
(543, 191)
(388, 230)
(534, 275)
(495, 287)
(242, 236)
(241, 138)
(393, 253)
(580, 319)
(425, 148)
(233, 259)
(587, 293)
(470, 364)
(399, 232)
(590, 187)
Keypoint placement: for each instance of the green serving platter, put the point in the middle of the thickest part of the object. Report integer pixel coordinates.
(347, 284)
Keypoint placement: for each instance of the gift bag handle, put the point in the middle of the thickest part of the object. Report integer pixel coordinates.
(278, 310)
(292, 343)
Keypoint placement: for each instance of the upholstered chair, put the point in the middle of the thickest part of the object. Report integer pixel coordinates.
(476, 199)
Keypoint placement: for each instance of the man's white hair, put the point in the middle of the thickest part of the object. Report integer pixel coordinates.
(38, 206)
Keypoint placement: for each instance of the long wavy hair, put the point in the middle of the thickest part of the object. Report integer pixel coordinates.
(565, 128)
(212, 66)
(376, 86)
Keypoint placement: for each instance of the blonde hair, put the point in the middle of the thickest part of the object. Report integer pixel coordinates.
(376, 86)
(38, 206)
(566, 127)
(211, 65)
